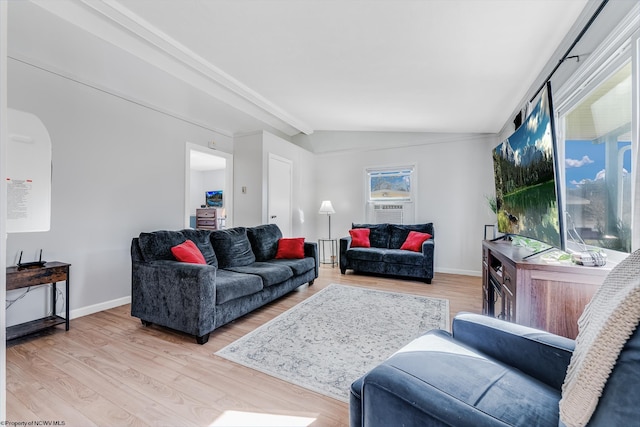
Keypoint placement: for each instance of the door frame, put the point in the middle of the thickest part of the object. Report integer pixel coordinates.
(228, 181)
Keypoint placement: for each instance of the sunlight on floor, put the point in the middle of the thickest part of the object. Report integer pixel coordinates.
(257, 419)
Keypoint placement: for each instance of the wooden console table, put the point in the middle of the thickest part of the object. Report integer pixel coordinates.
(534, 293)
(51, 272)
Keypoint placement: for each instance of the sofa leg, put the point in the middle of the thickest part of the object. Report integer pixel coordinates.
(343, 270)
(311, 282)
(428, 281)
(146, 322)
(202, 339)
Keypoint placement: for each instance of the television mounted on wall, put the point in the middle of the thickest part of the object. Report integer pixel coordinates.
(526, 178)
(213, 199)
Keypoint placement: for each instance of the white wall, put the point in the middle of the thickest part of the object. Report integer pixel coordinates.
(251, 156)
(453, 178)
(118, 170)
(203, 181)
(247, 180)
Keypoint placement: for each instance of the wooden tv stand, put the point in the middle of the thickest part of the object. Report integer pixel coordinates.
(535, 293)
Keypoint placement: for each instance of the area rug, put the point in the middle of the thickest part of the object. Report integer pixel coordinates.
(335, 336)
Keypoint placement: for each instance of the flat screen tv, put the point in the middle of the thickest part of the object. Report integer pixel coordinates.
(213, 199)
(525, 172)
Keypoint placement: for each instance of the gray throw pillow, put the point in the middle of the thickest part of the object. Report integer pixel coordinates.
(264, 241)
(379, 235)
(232, 247)
(157, 244)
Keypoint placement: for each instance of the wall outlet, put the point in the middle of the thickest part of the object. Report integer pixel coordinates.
(244, 189)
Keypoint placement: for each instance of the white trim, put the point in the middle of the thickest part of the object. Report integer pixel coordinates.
(635, 136)
(3, 207)
(96, 308)
(473, 273)
(614, 45)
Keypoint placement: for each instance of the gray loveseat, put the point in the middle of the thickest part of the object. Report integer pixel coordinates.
(239, 276)
(385, 256)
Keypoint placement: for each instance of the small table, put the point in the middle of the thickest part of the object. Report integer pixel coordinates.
(51, 272)
(323, 253)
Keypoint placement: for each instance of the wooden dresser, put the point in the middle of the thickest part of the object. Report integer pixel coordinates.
(207, 219)
(534, 293)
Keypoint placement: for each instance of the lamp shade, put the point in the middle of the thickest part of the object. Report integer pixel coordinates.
(326, 208)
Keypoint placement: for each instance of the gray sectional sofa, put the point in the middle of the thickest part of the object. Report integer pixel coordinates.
(240, 275)
(385, 256)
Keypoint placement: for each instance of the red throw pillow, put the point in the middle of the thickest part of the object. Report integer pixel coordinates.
(414, 241)
(188, 252)
(360, 237)
(290, 248)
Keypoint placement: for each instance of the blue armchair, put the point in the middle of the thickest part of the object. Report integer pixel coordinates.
(489, 372)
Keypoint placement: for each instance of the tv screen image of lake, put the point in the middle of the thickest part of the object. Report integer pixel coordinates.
(525, 180)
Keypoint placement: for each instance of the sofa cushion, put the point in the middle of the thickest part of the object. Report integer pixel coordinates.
(379, 236)
(398, 233)
(366, 254)
(231, 285)
(400, 256)
(157, 245)
(360, 237)
(290, 248)
(264, 241)
(270, 273)
(232, 247)
(414, 241)
(299, 266)
(188, 252)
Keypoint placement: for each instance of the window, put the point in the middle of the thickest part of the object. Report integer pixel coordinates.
(390, 194)
(390, 185)
(597, 141)
(597, 151)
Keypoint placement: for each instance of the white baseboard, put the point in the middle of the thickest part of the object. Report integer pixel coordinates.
(85, 311)
(457, 271)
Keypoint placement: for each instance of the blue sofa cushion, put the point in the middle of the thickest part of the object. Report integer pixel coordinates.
(231, 285)
(232, 247)
(264, 241)
(398, 233)
(446, 380)
(299, 266)
(367, 254)
(399, 256)
(379, 236)
(157, 244)
(271, 274)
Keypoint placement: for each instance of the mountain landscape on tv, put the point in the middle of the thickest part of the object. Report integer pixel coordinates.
(524, 175)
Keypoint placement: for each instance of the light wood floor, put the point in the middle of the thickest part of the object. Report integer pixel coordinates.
(109, 370)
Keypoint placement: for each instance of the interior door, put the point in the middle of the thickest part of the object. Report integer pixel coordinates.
(279, 198)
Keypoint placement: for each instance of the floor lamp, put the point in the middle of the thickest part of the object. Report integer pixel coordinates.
(327, 208)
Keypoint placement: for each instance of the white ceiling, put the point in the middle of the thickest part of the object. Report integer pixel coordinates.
(304, 65)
